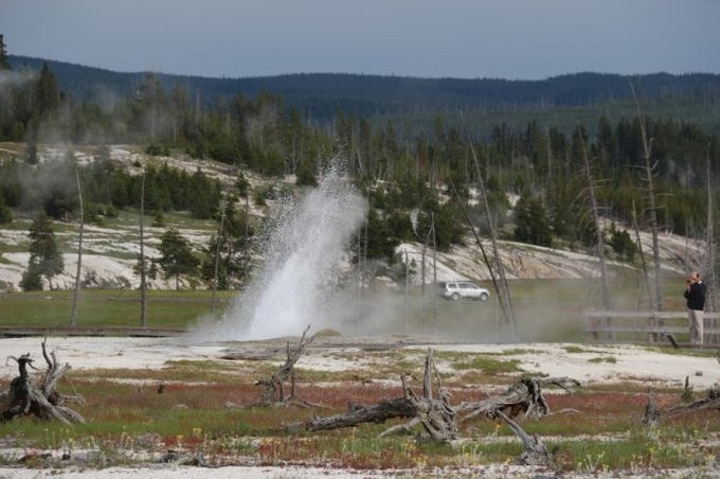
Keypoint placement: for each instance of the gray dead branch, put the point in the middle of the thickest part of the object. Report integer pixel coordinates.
(534, 451)
(38, 397)
(274, 389)
(710, 402)
(524, 397)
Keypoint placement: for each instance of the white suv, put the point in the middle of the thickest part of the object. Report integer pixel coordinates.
(455, 290)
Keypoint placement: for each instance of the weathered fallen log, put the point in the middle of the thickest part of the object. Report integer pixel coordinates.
(712, 401)
(437, 416)
(27, 396)
(378, 413)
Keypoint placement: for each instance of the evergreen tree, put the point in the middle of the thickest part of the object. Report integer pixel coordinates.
(306, 174)
(45, 258)
(177, 257)
(47, 92)
(622, 244)
(32, 277)
(6, 215)
(235, 260)
(380, 241)
(531, 222)
(4, 62)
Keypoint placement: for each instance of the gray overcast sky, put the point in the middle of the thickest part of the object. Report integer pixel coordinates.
(515, 39)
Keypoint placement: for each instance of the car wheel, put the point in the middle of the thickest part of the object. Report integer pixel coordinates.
(455, 297)
(484, 296)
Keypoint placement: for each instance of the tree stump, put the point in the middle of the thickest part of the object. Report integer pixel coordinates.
(28, 396)
(273, 392)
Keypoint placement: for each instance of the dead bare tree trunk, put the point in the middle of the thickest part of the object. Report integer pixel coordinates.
(274, 388)
(78, 271)
(646, 274)
(652, 207)
(710, 276)
(217, 257)
(40, 399)
(599, 232)
(502, 289)
(143, 271)
(486, 260)
(599, 236)
(378, 413)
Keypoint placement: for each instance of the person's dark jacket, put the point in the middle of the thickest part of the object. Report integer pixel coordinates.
(696, 296)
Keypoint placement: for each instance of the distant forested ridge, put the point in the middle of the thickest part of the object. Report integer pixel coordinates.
(411, 145)
(319, 96)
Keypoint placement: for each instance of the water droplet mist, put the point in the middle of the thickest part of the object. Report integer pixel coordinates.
(302, 252)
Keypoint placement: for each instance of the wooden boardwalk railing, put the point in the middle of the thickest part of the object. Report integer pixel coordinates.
(650, 326)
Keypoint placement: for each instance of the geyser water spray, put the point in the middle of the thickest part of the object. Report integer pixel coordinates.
(302, 255)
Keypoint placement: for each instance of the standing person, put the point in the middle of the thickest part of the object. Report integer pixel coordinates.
(695, 295)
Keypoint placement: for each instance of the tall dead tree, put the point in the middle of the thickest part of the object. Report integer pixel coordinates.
(599, 237)
(218, 243)
(501, 287)
(599, 234)
(78, 271)
(652, 206)
(710, 276)
(143, 270)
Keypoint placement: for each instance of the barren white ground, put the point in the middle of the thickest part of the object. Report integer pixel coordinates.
(589, 364)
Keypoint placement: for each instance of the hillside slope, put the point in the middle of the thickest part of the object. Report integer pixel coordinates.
(111, 249)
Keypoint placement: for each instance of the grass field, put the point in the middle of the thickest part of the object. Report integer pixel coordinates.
(545, 310)
(102, 308)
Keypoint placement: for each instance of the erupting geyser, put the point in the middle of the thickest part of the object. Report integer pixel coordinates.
(302, 253)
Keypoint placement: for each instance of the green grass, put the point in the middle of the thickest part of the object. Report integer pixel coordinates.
(489, 365)
(603, 359)
(99, 308)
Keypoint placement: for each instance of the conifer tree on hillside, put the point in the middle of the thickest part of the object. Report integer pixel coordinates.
(45, 257)
(177, 257)
(4, 63)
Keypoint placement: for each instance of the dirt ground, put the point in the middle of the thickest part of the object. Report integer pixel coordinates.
(628, 363)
